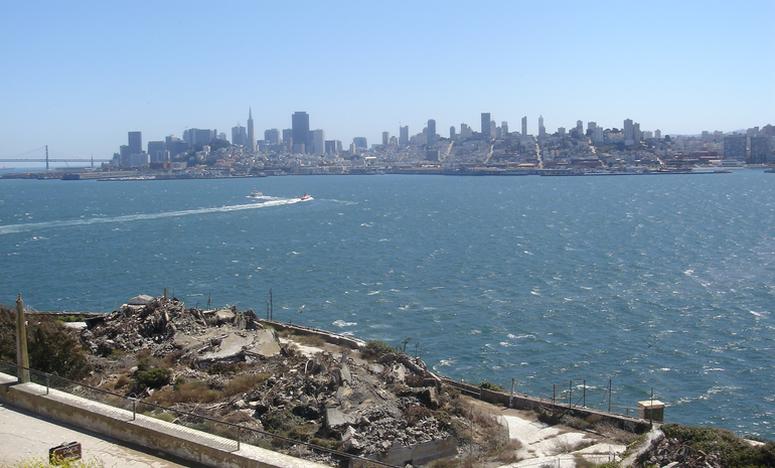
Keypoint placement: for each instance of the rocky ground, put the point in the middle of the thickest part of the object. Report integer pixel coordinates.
(229, 365)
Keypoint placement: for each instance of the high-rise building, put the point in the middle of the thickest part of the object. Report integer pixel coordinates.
(579, 128)
(658, 134)
(300, 126)
(403, 135)
(629, 132)
(636, 134)
(135, 142)
(385, 138)
(504, 129)
(431, 137)
(239, 136)
(331, 147)
(734, 147)
(288, 138)
(524, 126)
(251, 132)
(157, 151)
(561, 131)
(272, 136)
(465, 131)
(486, 129)
(452, 132)
(199, 136)
(360, 143)
(541, 128)
(317, 142)
(760, 150)
(493, 130)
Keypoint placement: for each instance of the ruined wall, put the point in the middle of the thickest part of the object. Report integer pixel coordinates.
(524, 402)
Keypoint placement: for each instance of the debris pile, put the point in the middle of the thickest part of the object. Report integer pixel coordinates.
(671, 452)
(226, 364)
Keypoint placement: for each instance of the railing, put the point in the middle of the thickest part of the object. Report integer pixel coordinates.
(190, 424)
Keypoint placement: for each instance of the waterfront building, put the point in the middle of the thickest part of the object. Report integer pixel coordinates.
(317, 143)
(629, 132)
(524, 126)
(272, 136)
(251, 132)
(735, 147)
(430, 138)
(759, 150)
(385, 138)
(300, 127)
(360, 143)
(485, 129)
(135, 142)
(239, 136)
(403, 135)
(541, 128)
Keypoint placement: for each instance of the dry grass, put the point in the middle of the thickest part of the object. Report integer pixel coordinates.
(244, 383)
(195, 391)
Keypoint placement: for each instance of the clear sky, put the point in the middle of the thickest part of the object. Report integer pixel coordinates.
(78, 75)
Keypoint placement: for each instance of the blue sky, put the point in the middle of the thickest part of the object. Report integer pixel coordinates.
(79, 75)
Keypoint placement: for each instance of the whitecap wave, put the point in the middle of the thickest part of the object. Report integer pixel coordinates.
(343, 324)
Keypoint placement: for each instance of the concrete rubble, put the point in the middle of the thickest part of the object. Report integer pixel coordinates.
(311, 391)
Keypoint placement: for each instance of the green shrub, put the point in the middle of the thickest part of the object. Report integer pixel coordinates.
(52, 347)
(490, 386)
(154, 377)
(377, 349)
(733, 450)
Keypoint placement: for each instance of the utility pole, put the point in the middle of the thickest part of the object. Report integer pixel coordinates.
(22, 356)
(46, 157)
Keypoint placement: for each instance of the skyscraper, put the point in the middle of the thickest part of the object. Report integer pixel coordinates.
(541, 128)
(272, 136)
(288, 138)
(629, 133)
(317, 142)
(360, 143)
(403, 135)
(385, 138)
(251, 133)
(135, 142)
(431, 132)
(486, 131)
(452, 132)
(239, 136)
(504, 128)
(524, 126)
(300, 126)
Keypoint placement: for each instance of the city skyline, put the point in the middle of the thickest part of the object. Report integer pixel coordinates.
(90, 73)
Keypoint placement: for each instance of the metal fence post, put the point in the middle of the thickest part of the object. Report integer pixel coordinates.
(584, 393)
(554, 394)
(570, 394)
(48, 382)
(134, 409)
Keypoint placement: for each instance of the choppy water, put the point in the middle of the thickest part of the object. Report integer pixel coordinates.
(665, 281)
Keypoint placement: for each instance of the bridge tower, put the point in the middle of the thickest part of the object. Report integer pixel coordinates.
(47, 157)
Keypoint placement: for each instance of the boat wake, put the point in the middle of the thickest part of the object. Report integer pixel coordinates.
(26, 227)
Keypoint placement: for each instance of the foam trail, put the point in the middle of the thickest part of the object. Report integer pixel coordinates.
(15, 228)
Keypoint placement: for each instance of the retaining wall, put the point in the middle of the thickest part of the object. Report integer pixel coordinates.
(154, 434)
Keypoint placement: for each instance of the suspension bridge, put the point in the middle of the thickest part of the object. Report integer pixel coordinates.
(48, 160)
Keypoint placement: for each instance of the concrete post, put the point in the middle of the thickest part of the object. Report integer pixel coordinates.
(22, 356)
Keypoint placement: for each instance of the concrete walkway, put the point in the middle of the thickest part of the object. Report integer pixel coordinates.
(24, 438)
